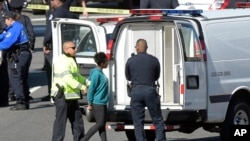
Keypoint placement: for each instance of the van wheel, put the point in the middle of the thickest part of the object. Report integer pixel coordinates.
(238, 114)
(150, 135)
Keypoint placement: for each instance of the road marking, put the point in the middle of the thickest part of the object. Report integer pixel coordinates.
(33, 89)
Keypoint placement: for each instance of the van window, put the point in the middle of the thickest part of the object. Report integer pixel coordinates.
(190, 42)
(82, 36)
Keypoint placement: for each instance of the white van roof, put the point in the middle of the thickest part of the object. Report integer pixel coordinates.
(226, 13)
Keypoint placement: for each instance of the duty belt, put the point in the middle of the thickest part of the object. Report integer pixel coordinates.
(22, 47)
(153, 85)
(15, 51)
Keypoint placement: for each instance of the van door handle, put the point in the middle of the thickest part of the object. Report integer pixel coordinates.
(176, 72)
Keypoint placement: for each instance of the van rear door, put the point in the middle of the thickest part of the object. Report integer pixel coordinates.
(88, 37)
(193, 88)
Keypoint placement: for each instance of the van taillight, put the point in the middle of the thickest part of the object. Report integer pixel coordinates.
(225, 4)
(109, 49)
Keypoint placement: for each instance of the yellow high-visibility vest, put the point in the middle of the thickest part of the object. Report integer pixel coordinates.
(66, 74)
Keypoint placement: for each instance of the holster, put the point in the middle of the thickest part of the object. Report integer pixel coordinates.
(60, 91)
(129, 88)
(13, 55)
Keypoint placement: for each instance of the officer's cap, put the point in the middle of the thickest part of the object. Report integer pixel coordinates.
(17, 3)
(8, 14)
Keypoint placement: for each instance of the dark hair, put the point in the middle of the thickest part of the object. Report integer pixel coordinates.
(100, 58)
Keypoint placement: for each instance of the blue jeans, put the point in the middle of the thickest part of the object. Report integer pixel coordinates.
(141, 97)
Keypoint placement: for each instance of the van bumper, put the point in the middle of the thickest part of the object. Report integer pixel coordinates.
(169, 116)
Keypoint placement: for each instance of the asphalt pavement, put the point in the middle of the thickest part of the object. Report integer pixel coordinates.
(36, 123)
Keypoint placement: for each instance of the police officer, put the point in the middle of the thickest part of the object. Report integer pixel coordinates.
(59, 11)
(16, 7)
(66, 88)
(68, 3)
(15, 41)
(143, 70)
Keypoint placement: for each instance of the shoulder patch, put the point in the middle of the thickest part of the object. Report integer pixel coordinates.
(8, 34)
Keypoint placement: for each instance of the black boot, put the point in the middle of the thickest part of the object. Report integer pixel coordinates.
(19, 106)
(12, 98)
(27, 105)
(45, 98)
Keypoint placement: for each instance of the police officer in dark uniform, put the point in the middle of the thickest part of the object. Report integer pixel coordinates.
(58, 11)
(143, 70)
(17, 6)
(15, 41)
(68, 3)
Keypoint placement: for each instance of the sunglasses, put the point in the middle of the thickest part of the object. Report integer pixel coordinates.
(73, 47)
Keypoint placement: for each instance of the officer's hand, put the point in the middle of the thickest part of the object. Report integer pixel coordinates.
(85, 14)
(46, 50)
(85, 91)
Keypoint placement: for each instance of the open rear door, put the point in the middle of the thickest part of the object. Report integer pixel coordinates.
(193, 73)
(88, 37)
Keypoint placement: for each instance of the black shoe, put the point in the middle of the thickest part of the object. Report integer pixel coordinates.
(46, 98)
(18, 106)
(12, 98)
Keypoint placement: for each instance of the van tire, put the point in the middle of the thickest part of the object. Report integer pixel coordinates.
(236, 109)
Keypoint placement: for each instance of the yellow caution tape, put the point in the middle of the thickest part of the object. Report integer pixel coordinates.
(37, 6)
(80, 9)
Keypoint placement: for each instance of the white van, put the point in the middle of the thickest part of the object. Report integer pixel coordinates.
(208, 4)
(204, 57)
